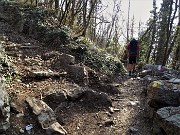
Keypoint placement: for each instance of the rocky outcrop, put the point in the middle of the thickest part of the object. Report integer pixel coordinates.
(167, 121)
(163, 106)
(163, 98)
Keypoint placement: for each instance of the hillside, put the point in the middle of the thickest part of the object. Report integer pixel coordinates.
(52, 77)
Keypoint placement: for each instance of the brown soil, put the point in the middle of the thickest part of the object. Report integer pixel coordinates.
(77, 118)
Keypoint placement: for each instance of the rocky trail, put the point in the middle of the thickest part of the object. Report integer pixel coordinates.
(82, 116)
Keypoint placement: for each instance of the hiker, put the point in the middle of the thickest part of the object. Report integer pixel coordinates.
(132, 50)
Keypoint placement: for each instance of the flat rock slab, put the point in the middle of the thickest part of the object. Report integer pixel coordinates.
(45, 74)
(175, 81)
(46, 116)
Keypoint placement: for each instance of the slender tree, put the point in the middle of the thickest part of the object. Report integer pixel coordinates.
(132, 27)
(154, 21)
(128, 22)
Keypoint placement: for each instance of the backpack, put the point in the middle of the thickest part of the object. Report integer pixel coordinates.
(133, 49)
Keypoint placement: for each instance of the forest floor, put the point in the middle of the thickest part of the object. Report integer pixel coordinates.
(125, 117)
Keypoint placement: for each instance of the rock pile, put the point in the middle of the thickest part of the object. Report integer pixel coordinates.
(163, 99)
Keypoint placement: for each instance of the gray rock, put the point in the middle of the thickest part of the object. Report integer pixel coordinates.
(166, 77)
(168, 119)
(145, 73)
(154, 67)
(63, 60)
(111, 110)
(45, 74)
(55, 128)
(21, 131)
(89, 97)
(158, 96)
(161, 96)
(75, 94)
(148, 78)
(133, 130)
(148, 67)
(108, 123)
(175, 80)
(4, 108)
(54, 99)
(155, 70)
(46, 116)
(78, 73)
(108, 88)
(95, 99)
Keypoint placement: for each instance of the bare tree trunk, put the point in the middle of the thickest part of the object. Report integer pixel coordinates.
(128, 22)
(86, 21)
(36, 3)
(72, 14)
(56, 4)
(84, 16)
(132, 27)
(169, 30)
(153, 32)
(67, 3)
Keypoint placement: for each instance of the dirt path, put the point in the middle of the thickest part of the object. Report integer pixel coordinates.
(127, 116)
(128, 111)
(132, 113)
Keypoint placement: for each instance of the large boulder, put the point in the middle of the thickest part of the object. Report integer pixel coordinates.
(89, 97)
(96, 99)
(78, 73)
(63, 60)
(161, 94)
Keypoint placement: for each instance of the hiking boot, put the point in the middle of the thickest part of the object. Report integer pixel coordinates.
(130, 73)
